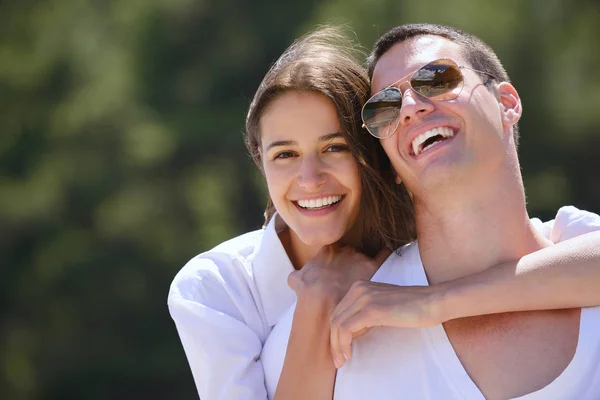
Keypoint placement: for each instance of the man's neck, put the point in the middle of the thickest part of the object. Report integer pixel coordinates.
(474, 228)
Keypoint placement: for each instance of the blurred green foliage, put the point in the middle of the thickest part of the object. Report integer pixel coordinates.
(121, 157)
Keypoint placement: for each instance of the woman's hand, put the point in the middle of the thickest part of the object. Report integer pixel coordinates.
(368, 304)
(327, 277)
(334, 269)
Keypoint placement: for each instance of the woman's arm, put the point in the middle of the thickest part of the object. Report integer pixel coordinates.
(565, 275)
(309, 371)
(220, 329)
(223, 353)
(223, 331)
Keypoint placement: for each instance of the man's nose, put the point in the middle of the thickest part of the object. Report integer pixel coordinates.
(414, 106)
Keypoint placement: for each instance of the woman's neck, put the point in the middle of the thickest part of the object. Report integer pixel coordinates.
(298, 252)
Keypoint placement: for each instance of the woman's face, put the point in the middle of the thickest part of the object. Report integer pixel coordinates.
(312, 176)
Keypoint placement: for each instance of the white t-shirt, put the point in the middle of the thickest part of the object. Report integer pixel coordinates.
(226, 301)
(392, 363)
(421, 363)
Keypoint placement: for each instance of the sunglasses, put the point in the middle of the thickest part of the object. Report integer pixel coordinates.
(439, 80)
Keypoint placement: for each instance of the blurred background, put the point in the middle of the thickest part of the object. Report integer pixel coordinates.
(121, 157)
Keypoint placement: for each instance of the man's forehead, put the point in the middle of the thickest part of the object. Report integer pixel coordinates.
(405, 57)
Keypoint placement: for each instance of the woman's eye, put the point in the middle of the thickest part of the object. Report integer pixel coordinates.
(284, 154)
(334, 148)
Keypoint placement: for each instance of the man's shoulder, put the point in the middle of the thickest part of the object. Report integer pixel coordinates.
(569, 222)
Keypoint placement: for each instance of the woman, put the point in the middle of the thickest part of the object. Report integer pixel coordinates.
(329, 185)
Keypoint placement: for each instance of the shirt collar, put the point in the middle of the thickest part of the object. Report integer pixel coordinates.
(271, 266)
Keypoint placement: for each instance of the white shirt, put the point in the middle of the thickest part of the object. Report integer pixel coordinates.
(391, 363)
(226, 301)
(402, 363)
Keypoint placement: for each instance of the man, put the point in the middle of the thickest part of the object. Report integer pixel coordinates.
(447, 118)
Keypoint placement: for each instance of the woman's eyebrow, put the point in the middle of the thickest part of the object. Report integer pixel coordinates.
(324, 138)
(280, 143)
(331, 136)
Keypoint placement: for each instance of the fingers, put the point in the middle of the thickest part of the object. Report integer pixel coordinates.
(360, 333)
(338, 357)
(348, 329)
(351, 324)
(341, 352)
(355, 291)
(295, 280)
(342, 333)
(360, 310)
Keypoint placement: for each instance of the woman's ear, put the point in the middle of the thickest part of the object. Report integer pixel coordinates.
(397, 178)
(511, 104)
(259, 154)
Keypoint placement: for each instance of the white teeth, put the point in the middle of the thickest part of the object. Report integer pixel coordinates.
(318, 203)
(431, 145)
(443, 131)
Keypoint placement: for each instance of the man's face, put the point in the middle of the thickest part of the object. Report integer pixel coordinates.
(470, 134)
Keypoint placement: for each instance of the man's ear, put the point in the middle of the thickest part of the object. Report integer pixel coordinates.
(511, 104)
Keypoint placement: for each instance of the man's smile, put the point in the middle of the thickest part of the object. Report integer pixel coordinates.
(430, 138)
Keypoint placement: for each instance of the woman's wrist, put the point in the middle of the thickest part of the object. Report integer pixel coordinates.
(320, 294)
(316, 301)
(448, 300)
(479, 294)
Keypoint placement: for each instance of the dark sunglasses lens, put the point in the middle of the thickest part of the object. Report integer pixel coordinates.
(439, 78)
(380, 113)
